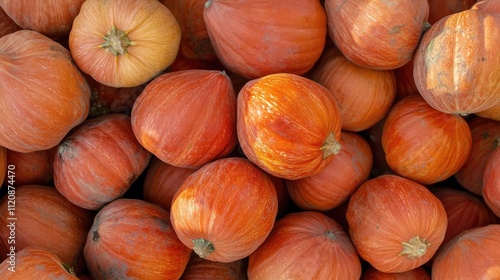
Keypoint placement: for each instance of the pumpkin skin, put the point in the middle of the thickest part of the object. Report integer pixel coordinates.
(364, 96)
(89, 179)
(3, 164)
(288, 125)
(439, 9)
(32, 168)
(338, 180)
(491, 182)
(38, 107)
(124, 51)
(200, 268)
(279, 45)
(201, 105)
(424, 144)
(36, 261)
(377, 34)
(418, 273)
(485, 139)
(457, 64)
(7, 25)
(204, 215)
(491, 113)
(490, 6)
(330, 253)
(120, 243)
(53, 18)
(395, 223)
(405, 83)
(39, 209)
(478, 246)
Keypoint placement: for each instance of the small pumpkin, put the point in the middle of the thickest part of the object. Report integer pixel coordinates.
(98, 162)
(124, 51)
(133, 239)
(38, 107)
(305, 245)
(225, 210)
(395, 223)
(491, 182)
(288, 125)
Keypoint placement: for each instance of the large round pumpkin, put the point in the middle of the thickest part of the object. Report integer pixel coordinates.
(124, 43)
(43, 95)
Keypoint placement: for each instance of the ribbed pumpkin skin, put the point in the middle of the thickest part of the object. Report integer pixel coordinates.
(389, 214)
(305, 245)
(491, 182)
(279, 44)
(479, 246)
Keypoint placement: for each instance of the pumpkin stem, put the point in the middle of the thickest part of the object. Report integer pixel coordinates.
(69, 269)
(116, 42)
(330, 235)
(331, 146)
(414, 248)
(95, 236)
(203, 247)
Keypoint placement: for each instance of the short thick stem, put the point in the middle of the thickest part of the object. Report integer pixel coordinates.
(331, 146)
(203, 247)
(116, 42)
(414, 248)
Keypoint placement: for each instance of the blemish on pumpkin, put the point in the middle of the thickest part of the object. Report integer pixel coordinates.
(396, 29)
(95, 236)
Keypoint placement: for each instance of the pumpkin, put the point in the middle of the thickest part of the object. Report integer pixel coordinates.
(162, 182)
(200, 106)
(439, 9)
(305, 245)
(133, 239)
(424, 144)
(377, 34)
(288, 125)
(338, 180)
(35, 261)
(200, 268)
(364, 96)
(418, 273)
(491, 182)
(478, 246)
(32, 168)
(3, 163)
(98, 162)
(490, 6)
(457, 63)
(485, 139)
(395, 223)
(181, 63)
(195, 42)
(124, 51)
(38, 107)
(45, 218)
(258, 38)
(405, 83)
(7, 25)
(225, 210)
(491, 113)
(52, 18)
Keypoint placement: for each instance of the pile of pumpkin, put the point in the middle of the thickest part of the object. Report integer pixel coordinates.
(299, 139)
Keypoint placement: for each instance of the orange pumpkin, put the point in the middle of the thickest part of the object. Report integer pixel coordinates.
(35, 261)
(38, 106)
(377, 34)
(124, 51)
(491, 182)
(479, 246)
(305, 245)
(288, 125)
(338, 180)
(490, 6)
(225, 210)
(457, 63)
(200, 268)
(32, 168)
(52, 18)
(7, 25)
(424, 144)
(439, 9)
(405, 83)
(395, 223)
(3, 164)
(133, 239)
(364, 95)
(418, 273)
(98, 162)
(262, 37)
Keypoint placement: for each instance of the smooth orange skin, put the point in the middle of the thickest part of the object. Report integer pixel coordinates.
(153, 30)
(424, 144)
(98, 162)
(490, 6)
(491, 113)
(457, 63)
(388, 210)
(36, 261)
(305, 245)
(187, 118)
(363, 95)
(338, 180)
(255, 38)
(439, 9)
(491, 182)
(283, 121)
(478, 246)
(199, 268)
(53, 18)
(133, 239)
(377, 34)
(46, 219)
(229, 202)
(38, 107)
